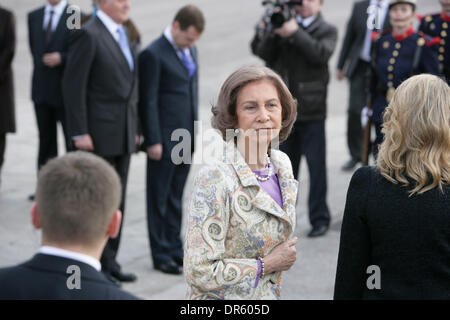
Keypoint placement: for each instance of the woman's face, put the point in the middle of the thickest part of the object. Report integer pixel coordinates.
(402, 16)
(258, 110)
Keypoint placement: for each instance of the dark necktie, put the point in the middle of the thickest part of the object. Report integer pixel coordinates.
(188, 63)
(48, 32)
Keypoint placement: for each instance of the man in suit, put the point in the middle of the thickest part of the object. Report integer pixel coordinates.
(100, 93)
(49, 40)
(7, 49)
(77, 200)
(367, 16)
(299, 51)
(168, 101)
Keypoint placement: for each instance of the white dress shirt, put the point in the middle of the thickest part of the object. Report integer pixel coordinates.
(109, 23)
(58, 10)
(53, 251)
(372, 20)
(305, 22)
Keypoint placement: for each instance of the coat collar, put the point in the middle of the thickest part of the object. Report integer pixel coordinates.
(59, 265)
(262, 200)
(172, 48)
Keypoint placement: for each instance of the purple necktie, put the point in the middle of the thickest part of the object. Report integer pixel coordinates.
(188, 63)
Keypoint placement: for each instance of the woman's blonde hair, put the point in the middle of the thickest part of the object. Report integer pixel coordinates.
(416, 126)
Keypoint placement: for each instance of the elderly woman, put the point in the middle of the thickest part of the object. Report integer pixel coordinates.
(395, 238)
(242, 213)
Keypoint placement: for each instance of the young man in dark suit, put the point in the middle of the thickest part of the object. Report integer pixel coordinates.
(49, 40)
(77, 200)
(7, 49)
(367, 16)
(100, 94)
(168, 101)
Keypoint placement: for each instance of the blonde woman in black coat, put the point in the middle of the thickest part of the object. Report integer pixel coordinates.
(395, 238)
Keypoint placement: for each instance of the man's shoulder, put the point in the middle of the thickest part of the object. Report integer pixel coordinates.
(36, 12)
(27, 280)
(156, 48)
(362, 4)
(5, 13)
(157, 44)
(92, 26)
(88, 33)
(326, 27)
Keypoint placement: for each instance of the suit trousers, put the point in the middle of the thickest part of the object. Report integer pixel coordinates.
(47, 118)
(357, 101)
(108, 260)
(165, 185)
(308, 138)
(2, 149)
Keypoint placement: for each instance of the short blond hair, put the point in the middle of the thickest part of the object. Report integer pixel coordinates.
(77, 195)
(224, 112)
(417, 135)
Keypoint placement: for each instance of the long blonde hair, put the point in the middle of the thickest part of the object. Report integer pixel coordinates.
(416, 126)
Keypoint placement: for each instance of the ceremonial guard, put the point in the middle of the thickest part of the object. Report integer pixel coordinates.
(397, 55)
(437, 25)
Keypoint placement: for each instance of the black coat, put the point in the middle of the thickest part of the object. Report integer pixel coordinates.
(7, 48)
(302, 61)
(45, 277)
(354, 37)
(100, 90)
(46, 83)
(408, 238)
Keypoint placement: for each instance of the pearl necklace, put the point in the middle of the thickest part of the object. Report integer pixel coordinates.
(269, 174)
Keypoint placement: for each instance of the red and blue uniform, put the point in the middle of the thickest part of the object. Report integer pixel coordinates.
(395, 58)
(438, 25)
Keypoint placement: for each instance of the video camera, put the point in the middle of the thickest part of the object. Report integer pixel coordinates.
(279, 11)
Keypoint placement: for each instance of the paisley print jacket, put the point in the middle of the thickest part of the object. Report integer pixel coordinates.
(233, 222)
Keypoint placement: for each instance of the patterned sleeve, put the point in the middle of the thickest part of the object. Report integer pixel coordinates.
(208, 266)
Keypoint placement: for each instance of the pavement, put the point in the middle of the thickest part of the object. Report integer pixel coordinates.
(223, 48)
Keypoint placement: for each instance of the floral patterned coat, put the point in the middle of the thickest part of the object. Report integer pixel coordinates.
(233, 222)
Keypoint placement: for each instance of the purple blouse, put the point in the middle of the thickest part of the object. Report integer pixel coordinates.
(271, 186)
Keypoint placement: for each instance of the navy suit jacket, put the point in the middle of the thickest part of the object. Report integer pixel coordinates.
(45, 277)
(46, 84)
(168, 98)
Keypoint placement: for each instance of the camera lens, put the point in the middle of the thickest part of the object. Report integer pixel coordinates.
(277, 19)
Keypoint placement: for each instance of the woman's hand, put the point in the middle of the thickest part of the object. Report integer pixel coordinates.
(282, 257)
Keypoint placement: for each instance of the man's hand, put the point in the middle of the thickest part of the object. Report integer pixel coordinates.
(52, 60)
(154, 152)
(84, 143)
(339, 74)
(288, 28)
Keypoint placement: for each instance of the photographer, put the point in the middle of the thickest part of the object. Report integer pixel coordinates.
(299, 51)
